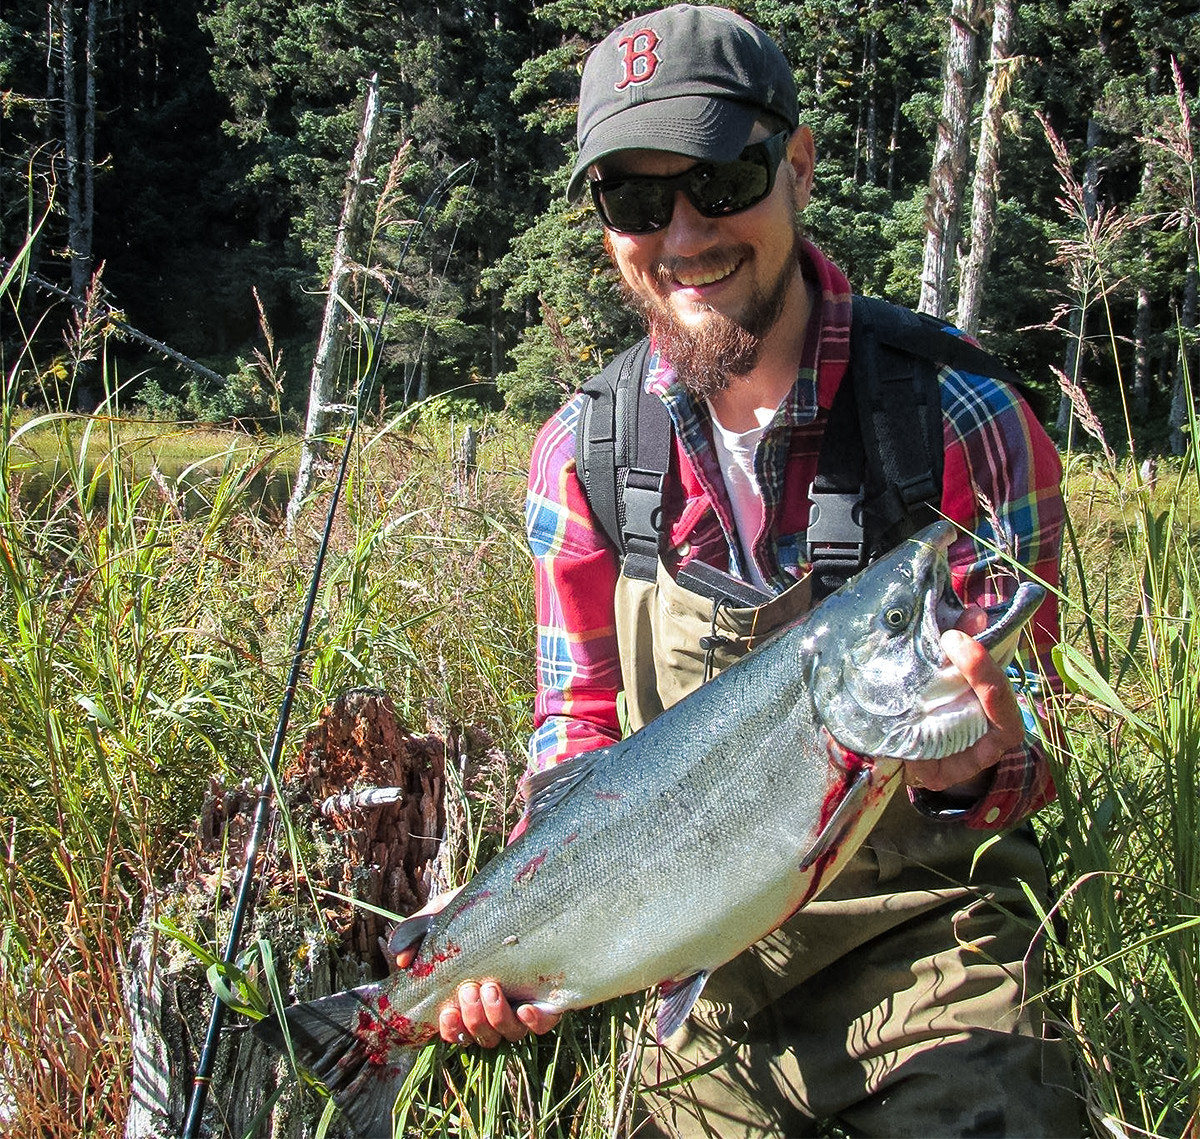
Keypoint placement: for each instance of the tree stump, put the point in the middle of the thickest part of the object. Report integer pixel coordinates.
(368, 820)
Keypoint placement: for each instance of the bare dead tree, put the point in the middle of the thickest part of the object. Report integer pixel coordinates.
(323, 411)
(986, 187)
(950, 153)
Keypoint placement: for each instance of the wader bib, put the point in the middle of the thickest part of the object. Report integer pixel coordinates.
(894, 1002)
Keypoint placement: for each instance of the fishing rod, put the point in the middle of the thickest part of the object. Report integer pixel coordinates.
(262, 811)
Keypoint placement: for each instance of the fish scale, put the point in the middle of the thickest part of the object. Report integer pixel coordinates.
(656, 860)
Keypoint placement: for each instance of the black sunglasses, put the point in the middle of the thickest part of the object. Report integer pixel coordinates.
(643, 203)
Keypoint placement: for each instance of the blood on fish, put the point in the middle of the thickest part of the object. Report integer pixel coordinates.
(471, 902)
(608, 796)
(422, 967)
(378, 1035)
(531, 867)
(851, 764)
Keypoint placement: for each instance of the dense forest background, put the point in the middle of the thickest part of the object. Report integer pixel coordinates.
(194, 156)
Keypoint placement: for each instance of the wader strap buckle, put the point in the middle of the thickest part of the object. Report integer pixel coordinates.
(714, 640)
(835, 530)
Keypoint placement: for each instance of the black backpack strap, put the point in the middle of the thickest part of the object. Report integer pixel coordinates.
(900, 415)
(622, 453)
(879, 476)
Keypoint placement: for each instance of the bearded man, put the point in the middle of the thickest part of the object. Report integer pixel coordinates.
(897, 1003)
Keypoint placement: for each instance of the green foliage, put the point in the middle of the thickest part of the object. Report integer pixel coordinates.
(230, 131)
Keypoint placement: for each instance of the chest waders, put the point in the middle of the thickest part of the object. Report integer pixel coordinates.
(900, 991)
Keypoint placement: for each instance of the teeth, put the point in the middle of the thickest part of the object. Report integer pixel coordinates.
(694, 280)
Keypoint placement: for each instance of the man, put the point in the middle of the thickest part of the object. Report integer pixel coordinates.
(894, 1003)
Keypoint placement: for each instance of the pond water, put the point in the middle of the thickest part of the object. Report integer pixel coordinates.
(44, 487)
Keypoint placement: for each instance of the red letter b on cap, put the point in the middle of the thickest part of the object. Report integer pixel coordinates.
(639, 61)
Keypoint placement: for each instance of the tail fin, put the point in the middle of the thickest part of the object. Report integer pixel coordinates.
(337, 1040)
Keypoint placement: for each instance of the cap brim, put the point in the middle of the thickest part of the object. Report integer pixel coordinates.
(698, 126)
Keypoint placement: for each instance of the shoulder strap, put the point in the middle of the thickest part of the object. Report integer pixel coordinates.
(623, 453)
(879, 477)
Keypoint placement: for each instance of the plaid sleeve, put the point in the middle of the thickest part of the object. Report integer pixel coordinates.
(1002, 486)
(575, 575)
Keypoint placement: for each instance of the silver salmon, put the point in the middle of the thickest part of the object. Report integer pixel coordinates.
(656, 860)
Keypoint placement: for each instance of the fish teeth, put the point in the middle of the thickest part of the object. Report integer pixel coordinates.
(943, 730)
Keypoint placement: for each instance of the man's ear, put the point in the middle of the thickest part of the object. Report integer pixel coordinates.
(802, 154)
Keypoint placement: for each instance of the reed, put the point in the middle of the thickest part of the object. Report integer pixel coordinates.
(1123, 839)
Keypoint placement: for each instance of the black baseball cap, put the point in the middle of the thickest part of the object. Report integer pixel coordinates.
(687, 79)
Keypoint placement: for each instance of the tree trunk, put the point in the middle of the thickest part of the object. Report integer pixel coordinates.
(386, 854)
(332, 341)
(866, 128)
(1145, 304)
(987, 172)
(950, 152)
(893, 140)
(871, 66)
(79, 142)
(1145, 308)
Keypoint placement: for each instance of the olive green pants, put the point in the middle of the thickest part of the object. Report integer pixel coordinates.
(896, 1004)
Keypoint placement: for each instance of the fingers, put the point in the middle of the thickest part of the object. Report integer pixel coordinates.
(966, 771)
(538, 1020)
(991, 686)
(484, 1016)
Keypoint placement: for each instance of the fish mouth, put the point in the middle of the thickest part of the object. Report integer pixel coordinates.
(952, 718)
(1006, 621)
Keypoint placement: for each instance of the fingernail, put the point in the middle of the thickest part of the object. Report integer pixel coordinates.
(462, 1038)
(490, 993)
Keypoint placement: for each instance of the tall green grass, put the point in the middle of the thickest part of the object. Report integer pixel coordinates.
(1124, 838)
(1123, 841)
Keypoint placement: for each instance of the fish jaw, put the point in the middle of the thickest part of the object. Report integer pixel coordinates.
(950, 717)
(891, 690)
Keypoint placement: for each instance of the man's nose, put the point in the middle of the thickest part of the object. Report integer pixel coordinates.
(688, 227)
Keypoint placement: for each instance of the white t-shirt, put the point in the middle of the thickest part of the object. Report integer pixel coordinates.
(735, 452)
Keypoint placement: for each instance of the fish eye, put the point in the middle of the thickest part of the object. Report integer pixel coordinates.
(896, 618)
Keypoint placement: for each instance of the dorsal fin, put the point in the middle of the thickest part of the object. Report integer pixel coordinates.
(544, 790)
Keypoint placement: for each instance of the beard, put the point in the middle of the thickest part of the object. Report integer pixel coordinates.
(707, 358)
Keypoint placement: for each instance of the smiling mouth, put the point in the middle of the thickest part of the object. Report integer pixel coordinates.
(699, 273)
(711, 277)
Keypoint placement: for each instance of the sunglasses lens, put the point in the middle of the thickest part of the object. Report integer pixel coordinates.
(729, 187)
(634, 205)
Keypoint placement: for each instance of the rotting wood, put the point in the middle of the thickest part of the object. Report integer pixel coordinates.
(391, 855)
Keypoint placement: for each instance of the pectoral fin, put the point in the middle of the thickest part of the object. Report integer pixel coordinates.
(678, 997)
(840, 821)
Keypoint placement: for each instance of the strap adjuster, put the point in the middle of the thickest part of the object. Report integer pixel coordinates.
(835, 526)
(642, 500)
